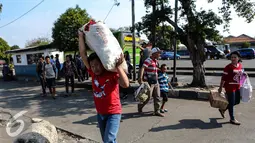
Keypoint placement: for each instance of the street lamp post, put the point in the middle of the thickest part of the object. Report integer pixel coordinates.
(134, 40)
(174, 79)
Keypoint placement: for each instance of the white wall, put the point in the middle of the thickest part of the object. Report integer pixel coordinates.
(46, 52)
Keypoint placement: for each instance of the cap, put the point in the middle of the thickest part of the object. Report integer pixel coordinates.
(155, 50)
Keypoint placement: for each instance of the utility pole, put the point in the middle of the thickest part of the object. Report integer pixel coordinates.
(134, 40)
(174, 79)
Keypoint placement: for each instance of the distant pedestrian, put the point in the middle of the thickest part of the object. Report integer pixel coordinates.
(79, 70)
(39, 69)
(231, 82)
(58, 66)
(52, 61)
(69, 69)
(50, 75)
(128, 60)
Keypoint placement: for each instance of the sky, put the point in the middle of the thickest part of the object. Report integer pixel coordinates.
(39, 22)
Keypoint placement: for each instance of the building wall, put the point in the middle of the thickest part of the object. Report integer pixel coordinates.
(23, 69)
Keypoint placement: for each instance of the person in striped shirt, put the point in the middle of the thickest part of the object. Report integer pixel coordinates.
(149, 73)
(164, 84)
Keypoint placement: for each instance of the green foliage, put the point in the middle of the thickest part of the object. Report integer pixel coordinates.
(1, 6)
(244, 8)
(64, 32)
(163, 33)
(14, 47)
(246, 45)
(3, 47)
(38, 42)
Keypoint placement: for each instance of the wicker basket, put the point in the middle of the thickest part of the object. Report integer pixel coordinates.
(218, 101)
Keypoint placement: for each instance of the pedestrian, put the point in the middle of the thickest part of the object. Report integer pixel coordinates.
(129, 65)
(105, 86)
(84, 71)
(164, 84)
(58, 66)
(149, 73)
(145, 53)
(50, 75)
(69, 69)
(231, 82)
(79, 70)
(52, 59)
(39, 69)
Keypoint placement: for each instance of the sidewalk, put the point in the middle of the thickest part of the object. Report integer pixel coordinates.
(187, 120)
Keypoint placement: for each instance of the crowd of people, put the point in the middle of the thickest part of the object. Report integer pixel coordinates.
(49, 69)
(106, 84)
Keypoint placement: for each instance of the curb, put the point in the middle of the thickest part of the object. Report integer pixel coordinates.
(178, 93)
(190, 94)
(75, 135)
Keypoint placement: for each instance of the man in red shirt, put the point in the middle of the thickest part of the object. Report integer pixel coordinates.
(105, 86)
(149, 73)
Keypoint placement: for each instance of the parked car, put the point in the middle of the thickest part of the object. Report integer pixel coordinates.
(213, 52)
(168, 56)
(247, 53)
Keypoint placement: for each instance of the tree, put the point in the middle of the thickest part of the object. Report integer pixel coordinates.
(64, 32)
(3, 47)
(38, 42)
(1, 7)
(246, 45)
(153, 24)
(14, 47)
(201, 25)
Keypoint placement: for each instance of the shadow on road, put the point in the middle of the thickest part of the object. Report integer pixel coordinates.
(191, 124)
(92, 120)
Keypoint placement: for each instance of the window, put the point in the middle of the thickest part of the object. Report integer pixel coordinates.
(18, 58)
(33, 58)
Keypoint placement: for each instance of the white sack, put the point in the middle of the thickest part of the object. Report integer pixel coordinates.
(101, 40)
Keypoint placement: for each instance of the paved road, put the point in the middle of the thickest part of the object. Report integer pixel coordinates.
(209, 63)
(188, 121)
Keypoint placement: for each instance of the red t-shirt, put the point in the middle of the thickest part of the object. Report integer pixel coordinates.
(106, 92)
(231, 76)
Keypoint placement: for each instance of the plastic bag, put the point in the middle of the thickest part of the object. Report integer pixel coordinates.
(100, 39)
(141, 94)
(246, 90)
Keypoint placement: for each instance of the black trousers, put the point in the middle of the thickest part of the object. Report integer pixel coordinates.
(43, 84)
(71, 78)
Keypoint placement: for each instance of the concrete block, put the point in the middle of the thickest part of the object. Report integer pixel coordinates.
(174, 95)
(188, 94)
(203, 95)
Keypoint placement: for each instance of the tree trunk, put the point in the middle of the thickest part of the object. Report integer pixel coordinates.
(197, 57)
(153, 30)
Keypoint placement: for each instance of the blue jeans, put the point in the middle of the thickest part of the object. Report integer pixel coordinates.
(233, 99)
(109, 126)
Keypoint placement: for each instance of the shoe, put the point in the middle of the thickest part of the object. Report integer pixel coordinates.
(235, 122)
(162, 111)
(165, 110)
(139, 108)
(222, 112)
(159, 114)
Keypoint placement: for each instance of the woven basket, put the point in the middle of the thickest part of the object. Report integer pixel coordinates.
(218, 101)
